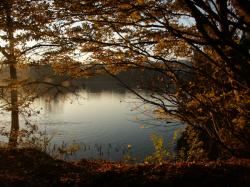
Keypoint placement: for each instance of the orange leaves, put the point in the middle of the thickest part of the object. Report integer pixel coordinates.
(32, 30)
(141, 59)
(240, 122)
(213, 54)
(125, 6)
(140, 2)
(135, 16)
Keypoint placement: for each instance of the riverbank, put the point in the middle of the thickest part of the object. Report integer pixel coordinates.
(29, 167)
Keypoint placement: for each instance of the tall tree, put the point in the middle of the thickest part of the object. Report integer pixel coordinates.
(199, 49)
(29, 32)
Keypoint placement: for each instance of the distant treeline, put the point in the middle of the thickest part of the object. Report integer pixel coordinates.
(135, 79)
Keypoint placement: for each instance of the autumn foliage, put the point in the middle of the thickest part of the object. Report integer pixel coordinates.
(199, 50)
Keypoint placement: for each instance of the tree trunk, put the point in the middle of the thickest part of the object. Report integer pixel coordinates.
(14, 109)
(10, 55)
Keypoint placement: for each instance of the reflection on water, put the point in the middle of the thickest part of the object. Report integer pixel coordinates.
(105, 122)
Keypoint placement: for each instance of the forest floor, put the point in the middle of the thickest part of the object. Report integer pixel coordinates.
(29, 167)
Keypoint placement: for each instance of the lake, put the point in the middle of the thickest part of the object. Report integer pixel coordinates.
(103, 120)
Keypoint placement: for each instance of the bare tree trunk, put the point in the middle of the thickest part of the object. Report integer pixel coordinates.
(14, 109)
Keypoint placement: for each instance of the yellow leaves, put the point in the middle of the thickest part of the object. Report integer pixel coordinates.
(159, 111)
(157, 141)
(160, 153)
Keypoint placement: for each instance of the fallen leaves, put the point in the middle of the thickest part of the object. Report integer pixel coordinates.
(29, 167)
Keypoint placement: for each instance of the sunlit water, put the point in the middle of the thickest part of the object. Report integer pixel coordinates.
(104, 124)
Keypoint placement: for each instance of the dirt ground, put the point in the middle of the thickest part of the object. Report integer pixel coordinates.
(29, 167)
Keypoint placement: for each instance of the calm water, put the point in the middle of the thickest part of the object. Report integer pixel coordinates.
(105, 123)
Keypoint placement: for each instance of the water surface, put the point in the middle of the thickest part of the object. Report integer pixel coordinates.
(107, 123)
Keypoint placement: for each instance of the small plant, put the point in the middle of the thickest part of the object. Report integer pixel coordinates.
(32, 137)
(160, 153)
(63, 151)
(127, 157)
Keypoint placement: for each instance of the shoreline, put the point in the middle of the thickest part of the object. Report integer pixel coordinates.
(30, 167)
